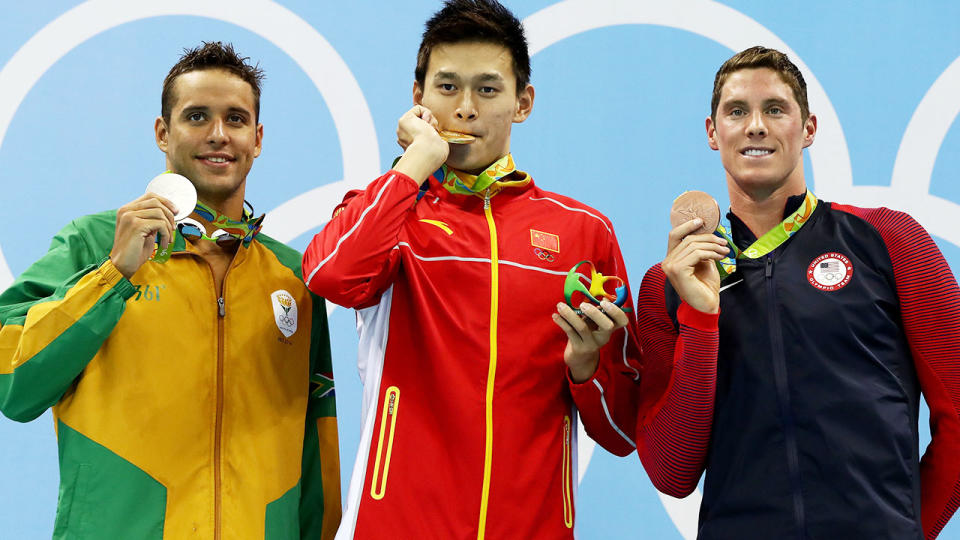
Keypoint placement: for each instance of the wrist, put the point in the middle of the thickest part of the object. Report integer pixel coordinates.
(420, 160)
(583, 370)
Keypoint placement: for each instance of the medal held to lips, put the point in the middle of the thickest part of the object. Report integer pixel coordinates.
(455, 137)
(695, 204)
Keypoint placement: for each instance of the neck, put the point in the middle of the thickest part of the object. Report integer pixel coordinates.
(230, 206)
(762, 211)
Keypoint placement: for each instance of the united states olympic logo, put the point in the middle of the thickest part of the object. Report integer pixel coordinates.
(830, 272)
(909, 188)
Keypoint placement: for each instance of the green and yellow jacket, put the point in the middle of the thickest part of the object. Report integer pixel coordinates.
(179, 413)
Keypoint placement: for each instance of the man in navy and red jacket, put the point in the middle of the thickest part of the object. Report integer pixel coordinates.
(834, 320)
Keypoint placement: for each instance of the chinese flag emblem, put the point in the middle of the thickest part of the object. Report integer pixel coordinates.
(543, 240)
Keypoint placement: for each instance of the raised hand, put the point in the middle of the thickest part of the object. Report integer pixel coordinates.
(424, 150)
(138, 224)
(690, 265)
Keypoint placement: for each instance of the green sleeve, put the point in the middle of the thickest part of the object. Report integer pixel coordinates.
(55, 317)
(320, 476)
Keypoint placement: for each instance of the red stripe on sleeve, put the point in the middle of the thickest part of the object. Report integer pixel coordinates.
(930, 309)
(679, 383)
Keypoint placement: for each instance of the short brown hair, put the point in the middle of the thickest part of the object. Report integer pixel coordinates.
(476, 20)
(211, 55)
(762, 57)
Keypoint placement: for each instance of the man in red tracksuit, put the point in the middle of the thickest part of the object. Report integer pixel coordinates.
(455, 262)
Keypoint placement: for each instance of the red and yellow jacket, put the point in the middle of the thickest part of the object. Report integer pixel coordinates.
(180, 413)
(469, 419)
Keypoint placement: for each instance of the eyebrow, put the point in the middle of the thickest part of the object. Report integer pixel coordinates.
(767, 102)
(206, 109)
(446, 75)
(483, 77)
(489, 77)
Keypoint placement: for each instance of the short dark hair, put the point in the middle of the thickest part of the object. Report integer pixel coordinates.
(476, 20)
(762, 57)
(211, 55)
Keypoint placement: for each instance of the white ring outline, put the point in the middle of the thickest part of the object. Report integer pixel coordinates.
(736, 31)
(275, 23)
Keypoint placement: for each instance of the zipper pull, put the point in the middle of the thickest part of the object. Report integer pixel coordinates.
(486, 199)
(223, 310)
(769, 271)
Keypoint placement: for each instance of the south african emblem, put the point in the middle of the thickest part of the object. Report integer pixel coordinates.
(284, 312)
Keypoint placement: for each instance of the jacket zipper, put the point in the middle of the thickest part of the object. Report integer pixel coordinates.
(783, 399)
(566, 476)
(388, 421)
(492, 371)
(217, 425)
(218, 421)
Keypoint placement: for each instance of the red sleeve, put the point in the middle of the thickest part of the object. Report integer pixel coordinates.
(930, 309)
(607, 403)
(680, 372)
(353, 259)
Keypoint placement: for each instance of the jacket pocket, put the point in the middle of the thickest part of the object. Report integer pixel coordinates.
(388, 425)
(567, 476)
(70, 512)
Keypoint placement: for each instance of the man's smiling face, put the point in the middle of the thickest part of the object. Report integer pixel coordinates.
(760, 133)
(212, 136)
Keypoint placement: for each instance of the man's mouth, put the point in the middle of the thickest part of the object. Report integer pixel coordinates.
(756, 152)
(216, 158)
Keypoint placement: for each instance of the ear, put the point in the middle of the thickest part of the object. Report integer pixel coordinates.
(809, 130)
(417, 94)
(524, 104)
(259, 146)
(160, 131)
(711, 134)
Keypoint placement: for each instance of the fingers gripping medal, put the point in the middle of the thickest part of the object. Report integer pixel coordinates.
(578, 288)
(178, 190)
(695, 204)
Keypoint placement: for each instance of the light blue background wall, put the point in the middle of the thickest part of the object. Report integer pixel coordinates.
(618, 124)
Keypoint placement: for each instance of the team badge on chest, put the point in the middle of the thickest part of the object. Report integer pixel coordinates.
(545, 245)
(830, 271)
(284, 312)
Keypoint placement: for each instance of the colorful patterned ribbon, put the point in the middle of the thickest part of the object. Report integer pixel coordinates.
(463, 183)
(769, 241)
(244, 230)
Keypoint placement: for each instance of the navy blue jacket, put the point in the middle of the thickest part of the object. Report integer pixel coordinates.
(819, 377)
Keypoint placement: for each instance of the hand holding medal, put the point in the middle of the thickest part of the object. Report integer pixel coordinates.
(146, 225)
(693, 250)
(181, 192)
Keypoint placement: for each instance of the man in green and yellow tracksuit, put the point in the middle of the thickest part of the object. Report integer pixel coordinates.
(192, 398)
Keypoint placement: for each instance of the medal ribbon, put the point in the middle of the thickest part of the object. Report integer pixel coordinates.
(244, 230)
(463, 183)
(770, 241)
